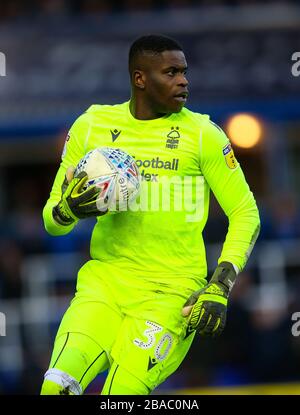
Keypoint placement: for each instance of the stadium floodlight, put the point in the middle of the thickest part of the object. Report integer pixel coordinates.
(244, 130)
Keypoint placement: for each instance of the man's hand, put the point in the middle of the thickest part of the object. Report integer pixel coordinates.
(75, 202)
(207, 307)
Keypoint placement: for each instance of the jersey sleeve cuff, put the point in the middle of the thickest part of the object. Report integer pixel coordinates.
(51, 225)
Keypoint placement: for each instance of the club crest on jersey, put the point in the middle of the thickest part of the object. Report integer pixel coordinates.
(173, 138)
(229, 156)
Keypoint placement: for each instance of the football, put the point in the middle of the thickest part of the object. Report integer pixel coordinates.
(115, 172)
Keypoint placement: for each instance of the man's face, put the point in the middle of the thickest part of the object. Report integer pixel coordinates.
(165, 83)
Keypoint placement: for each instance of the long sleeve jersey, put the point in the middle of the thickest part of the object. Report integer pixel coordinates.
(181, 158)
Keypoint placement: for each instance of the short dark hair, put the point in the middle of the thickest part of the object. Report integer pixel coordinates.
(152, 44)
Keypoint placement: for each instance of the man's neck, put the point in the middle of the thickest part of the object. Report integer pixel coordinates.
(142, 111)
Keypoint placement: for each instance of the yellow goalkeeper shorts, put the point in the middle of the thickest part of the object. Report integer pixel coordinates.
(138, 324)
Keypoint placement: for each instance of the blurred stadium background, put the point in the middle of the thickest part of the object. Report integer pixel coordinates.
(61, 57)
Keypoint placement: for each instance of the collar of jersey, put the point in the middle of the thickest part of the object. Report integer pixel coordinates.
(145, 122)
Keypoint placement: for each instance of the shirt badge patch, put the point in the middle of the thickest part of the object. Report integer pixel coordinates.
(229, 156)
(173, 138)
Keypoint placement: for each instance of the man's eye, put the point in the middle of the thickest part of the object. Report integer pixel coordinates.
(171, 73)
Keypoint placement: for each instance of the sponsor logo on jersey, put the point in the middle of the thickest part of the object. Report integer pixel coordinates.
(115, 134)
(229, 156)
(173, 138)
(156, 163)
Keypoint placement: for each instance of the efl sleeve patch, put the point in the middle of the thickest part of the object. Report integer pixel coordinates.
(229, 156)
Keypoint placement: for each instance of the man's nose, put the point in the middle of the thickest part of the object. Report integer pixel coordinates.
(183, 81)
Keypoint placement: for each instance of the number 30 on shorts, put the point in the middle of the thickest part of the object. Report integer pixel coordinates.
(162, 347)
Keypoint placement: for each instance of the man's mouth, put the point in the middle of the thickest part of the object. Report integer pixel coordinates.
(182, 97)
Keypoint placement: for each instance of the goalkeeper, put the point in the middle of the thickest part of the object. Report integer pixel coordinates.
(145, 294)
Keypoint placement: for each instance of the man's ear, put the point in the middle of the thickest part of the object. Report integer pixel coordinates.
(139, 79)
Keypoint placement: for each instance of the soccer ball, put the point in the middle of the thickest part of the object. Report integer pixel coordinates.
(115, 172)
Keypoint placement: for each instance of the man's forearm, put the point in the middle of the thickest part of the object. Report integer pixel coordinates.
(244, 227)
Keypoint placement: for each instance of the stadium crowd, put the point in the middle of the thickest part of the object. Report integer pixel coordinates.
(37, 8)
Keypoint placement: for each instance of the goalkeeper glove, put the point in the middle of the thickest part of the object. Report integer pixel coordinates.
(207, 307)
(76, 203)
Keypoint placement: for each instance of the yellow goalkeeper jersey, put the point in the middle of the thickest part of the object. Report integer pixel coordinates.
(181, 158)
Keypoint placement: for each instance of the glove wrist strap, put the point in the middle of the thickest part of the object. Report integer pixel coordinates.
(225, 274)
